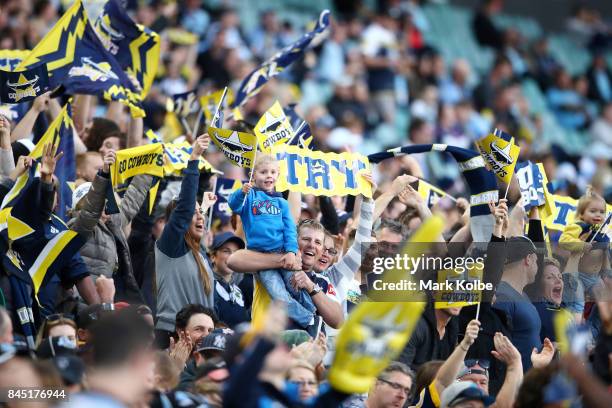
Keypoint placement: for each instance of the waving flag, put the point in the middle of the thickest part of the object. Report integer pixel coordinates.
(213, 105)
(60, 128)
(253, 82)
(10, 59)
(23, 86)
(223, 189)
(238, 147)
(302, 136)
(500, 153)
(183, 104)
(273, 128)
(135, 47)
(66, 169)
(76, 58)
(34, 255)
(531, 183)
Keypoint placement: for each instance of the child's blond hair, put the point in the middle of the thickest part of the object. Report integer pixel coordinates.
(584, 201)
(264, 158)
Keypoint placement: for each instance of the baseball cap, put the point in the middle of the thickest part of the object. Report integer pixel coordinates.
(216, 340)
(71, 368)
(224, 237)
(88, 316)
(55, 347)
(215, 369)
(518, 248)
(80, 192)
(464, 391)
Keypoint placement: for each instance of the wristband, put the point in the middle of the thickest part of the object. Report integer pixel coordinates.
(109, 307)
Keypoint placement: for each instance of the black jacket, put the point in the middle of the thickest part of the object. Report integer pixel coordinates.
(425, 344)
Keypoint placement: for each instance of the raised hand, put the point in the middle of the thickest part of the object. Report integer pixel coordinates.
(208, 200)
(367, 176)
(199, 146)
(288, 261)
(399, 184)
(505, 351)
(5, 133)
(181, 350)
(49, 161)
(23, 163)
(246, 187)
(544, 357)
(410, 197)
(41, 103)
(471, 333)
(109, 159)
(500, 212)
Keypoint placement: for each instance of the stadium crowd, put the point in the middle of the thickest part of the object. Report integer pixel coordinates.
(181, 306)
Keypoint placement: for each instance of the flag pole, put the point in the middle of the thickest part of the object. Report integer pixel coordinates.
(196, 125)
(186, 126)
(606, 224)
(210, 216)
(477, 311)
(252, 171)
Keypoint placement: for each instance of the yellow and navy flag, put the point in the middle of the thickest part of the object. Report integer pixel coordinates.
(60, 129)
(273, 128)
(176, 157)
(10, 59)
(216, 102)
(223, 188)
(238, 147)
(23, 86)
(147, 159)
(35, 247)
(430, 193)
(135, 47)
(302, 135)
(253, 82)
(76, 59)
(500, 153)
(183, 104)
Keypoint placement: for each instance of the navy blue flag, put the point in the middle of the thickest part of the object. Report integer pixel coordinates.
(184, 104)
(253, 82)
(23, 86)
(76, 58)
(135, 47)
(302, 134)
(223, 189)
(66, 172)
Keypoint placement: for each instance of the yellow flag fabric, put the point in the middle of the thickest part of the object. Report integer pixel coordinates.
(273, 128)
(430, 193)
(10, 59)
(60, 127)
(457, 297)
(500, 154)
(559, 211)
(176, 157)
(148, 159)
(318, 173)
(376, 332)
(238, 147)
(210, 101)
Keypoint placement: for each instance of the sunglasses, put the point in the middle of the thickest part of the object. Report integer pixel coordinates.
(59, 316)
(469, 363)
(331, 251)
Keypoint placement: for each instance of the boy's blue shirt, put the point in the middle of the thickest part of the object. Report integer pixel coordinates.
(267, 221)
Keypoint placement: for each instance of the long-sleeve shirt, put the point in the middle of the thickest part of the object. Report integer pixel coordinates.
(266, 219)
(177, 273)
(342, 273)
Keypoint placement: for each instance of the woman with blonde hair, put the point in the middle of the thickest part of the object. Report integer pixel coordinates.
(56, 325)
